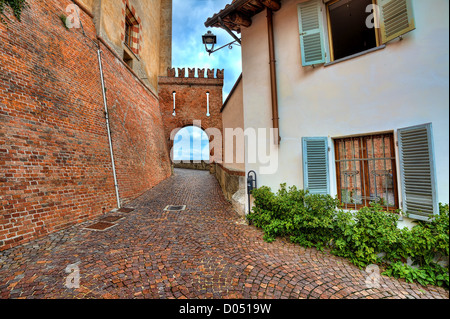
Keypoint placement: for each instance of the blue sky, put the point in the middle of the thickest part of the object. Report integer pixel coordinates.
(188, 50)
(191, 143)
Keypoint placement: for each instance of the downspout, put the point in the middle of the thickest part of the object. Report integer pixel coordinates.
(116, 185)
(273, 78)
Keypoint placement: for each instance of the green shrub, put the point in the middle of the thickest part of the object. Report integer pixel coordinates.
(313, 222)
(429, 238)
(373, 231)
(267, 213)
(368, 236)
(344, 223)
(17, 6)
(428, 275)
(306, 218)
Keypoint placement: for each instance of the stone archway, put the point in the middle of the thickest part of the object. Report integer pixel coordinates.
(197, 101)
(191, 143)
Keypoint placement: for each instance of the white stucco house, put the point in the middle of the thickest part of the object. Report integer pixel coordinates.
(359, 90)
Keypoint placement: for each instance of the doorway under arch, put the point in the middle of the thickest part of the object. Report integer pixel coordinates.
(191, 143)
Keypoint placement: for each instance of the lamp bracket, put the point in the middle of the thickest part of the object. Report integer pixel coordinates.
(228, 30)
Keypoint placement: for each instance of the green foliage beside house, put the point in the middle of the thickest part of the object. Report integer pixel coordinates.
(368, 236)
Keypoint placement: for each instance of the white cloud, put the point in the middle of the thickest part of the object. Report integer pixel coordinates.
(191, 143)
(189, 17)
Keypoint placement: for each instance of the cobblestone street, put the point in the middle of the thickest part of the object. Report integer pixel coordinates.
(205, 251)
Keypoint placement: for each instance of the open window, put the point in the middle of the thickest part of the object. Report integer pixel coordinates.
(347, 28)
(352, 27)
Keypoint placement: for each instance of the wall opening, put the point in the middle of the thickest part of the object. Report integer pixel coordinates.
(128, 59)
(191, 143)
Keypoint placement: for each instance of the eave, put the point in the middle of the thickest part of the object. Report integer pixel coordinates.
(239, 13)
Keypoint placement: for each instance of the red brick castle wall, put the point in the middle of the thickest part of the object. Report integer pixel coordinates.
(191, 99)
(55, 166)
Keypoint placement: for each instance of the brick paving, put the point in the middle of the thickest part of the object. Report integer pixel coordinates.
(203, 252)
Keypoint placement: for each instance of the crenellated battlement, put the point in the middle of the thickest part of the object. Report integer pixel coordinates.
(181, 73)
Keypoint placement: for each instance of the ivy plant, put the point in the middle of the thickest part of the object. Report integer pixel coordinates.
(368, 236)
(17, 6)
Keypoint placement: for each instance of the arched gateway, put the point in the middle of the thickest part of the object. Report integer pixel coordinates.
(192, 101)
(191, 143)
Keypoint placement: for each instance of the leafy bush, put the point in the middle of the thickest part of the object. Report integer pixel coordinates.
(306, 218)
(426, 240)
(425, 244)
(371, 232)
(369, 236)
(17, 7)
(269, 213)
(314, 221)
(428, 275)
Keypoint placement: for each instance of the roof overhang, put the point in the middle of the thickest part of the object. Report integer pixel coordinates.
(239, 13)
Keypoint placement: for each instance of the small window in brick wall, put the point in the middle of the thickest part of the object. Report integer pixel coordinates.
(127, 59)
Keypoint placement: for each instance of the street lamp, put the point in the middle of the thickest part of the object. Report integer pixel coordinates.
(210, 39)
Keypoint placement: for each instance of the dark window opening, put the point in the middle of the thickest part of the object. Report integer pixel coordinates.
(348, 29)
(127, 59)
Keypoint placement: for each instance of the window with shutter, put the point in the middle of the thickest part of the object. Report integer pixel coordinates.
(350, 26)
(311, 33)
(366, 171)
(315, 165)
(396, 18)
(417, 172)
(348, 30)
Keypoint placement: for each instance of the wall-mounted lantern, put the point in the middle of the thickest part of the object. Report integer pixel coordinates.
(210, 40)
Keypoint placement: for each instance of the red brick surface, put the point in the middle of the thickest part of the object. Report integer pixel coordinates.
(141, 153)
(55, 167)
(203, 252)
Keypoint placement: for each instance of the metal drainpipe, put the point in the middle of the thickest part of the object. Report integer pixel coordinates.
(99, 54)
(273, 77)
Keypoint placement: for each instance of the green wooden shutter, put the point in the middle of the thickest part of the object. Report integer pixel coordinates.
(396, 18)
(311, 33)
(417, 172)
(315, 165)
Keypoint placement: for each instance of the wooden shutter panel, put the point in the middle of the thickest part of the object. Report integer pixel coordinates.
(311, 33)
(417, 172)
(396, 18)
(315, 165)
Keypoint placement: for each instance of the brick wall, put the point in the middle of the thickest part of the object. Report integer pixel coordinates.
(55, 166)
